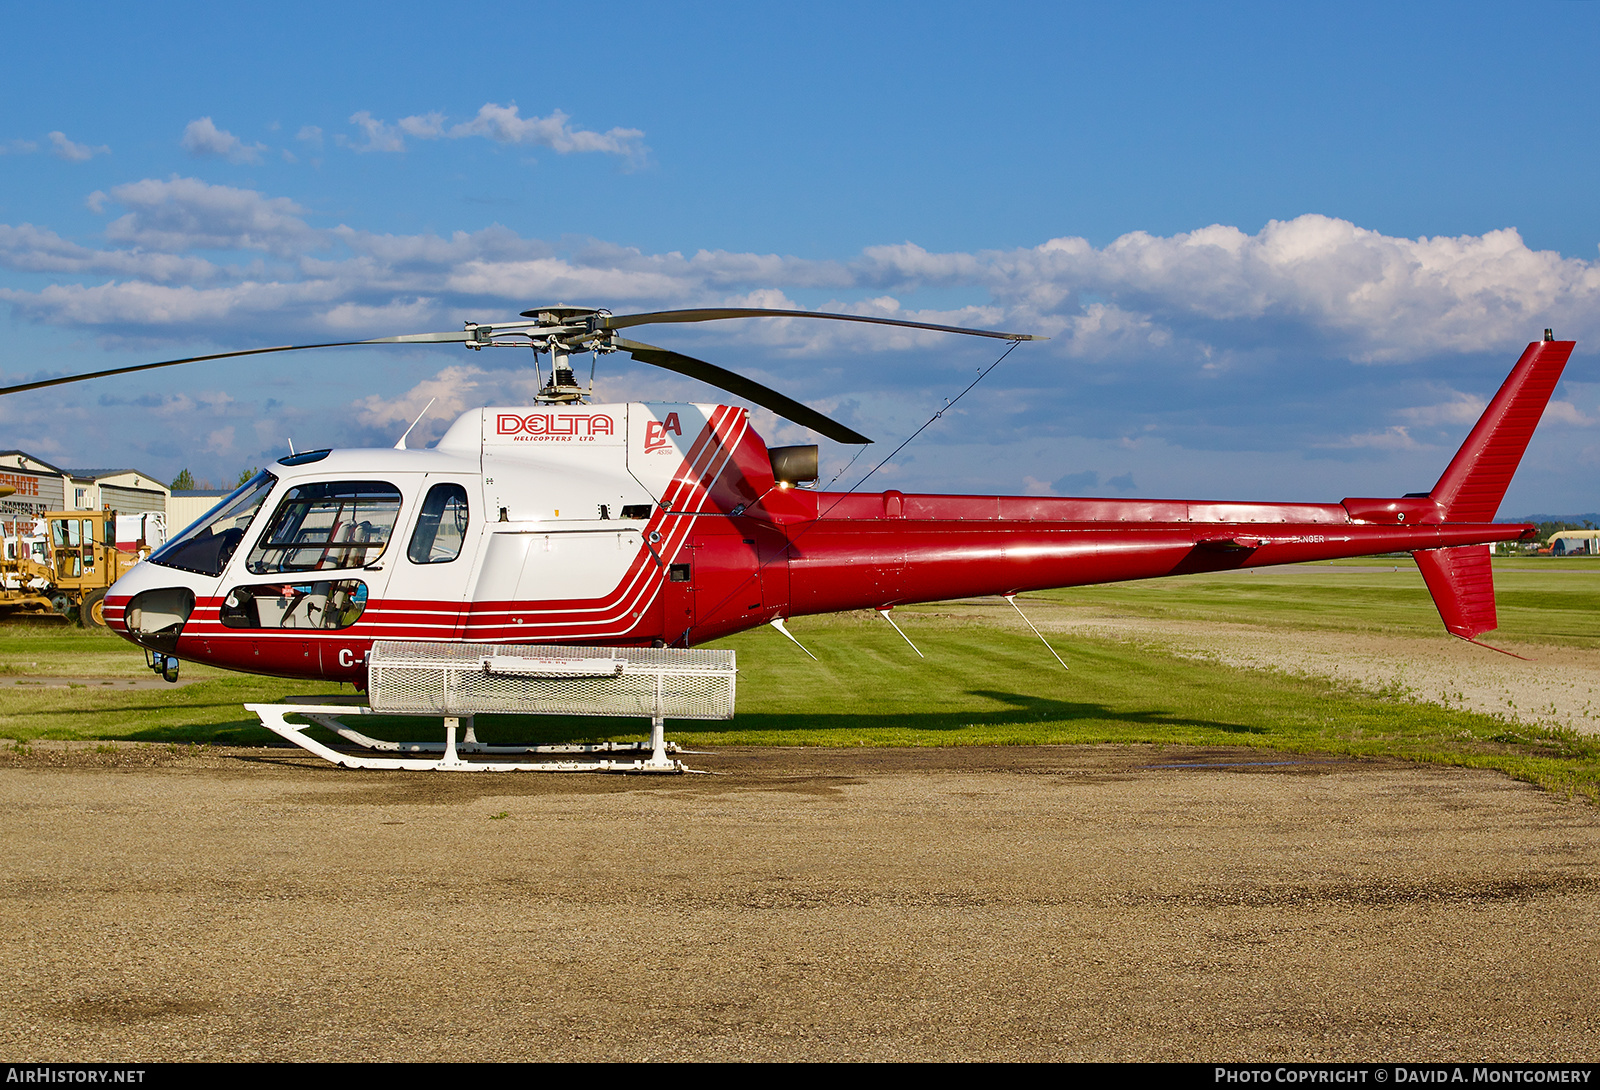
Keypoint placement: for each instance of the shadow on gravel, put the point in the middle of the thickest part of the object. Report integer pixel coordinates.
(1019, 709)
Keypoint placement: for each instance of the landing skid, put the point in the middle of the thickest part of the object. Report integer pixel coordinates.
(456, 681)
(274, 717)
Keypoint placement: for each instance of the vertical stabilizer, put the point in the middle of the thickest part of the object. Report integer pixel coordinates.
(1462, 586)
(1476, 480)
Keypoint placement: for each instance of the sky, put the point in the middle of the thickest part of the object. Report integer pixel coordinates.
(1283, 252)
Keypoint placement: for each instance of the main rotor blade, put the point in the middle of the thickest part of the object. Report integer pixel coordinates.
(410, 338)
(738, 385)
(622, 321)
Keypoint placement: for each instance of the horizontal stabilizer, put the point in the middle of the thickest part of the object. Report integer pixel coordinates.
(1462, 586)
(1477, 478)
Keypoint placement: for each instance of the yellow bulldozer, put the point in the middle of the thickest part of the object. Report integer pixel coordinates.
(67, 572)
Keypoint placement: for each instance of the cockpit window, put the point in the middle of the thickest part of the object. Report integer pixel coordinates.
(441, 526)
(207, 546)
(335, 524)
(331, 604)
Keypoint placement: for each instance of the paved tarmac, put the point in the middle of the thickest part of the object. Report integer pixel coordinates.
(1013, 904)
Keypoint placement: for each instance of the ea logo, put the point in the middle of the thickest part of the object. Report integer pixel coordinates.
(655, 433)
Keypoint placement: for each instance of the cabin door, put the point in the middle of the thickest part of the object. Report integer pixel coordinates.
(430, 567)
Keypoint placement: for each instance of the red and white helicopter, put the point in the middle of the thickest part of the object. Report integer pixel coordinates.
(669, 525)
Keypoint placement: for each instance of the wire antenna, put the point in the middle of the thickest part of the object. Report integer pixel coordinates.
(948, 405)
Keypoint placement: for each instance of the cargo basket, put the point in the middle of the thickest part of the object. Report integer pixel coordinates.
(413, 677)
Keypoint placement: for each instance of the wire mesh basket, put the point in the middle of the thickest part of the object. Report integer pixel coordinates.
(411, 677)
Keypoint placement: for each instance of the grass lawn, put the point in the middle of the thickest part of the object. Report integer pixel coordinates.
(1541, 601)
(983, 681)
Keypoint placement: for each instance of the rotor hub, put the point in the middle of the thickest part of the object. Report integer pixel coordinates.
(563, 315)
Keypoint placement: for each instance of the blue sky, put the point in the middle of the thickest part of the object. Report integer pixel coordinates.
(1283, 251)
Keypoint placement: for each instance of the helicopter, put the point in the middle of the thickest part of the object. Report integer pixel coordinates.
(571, 523)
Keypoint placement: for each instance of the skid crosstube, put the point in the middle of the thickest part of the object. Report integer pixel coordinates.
(275, 718)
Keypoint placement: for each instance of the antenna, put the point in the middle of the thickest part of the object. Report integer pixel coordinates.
(777, 622)
(401, 444)
(1012, 598)
(291, 446)
(883, 611)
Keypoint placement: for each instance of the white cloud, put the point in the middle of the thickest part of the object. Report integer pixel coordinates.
(433, 253)
(1212, 304)
(1396, 437)
(427, 126)
(502, 124)
(1565, 412)
(19, 147)
(1378, 298)
(220, 441)
(355, 318)
(1464, 410)
(201, 138)
(181, 214)
(311, 134)
(530, 282)
(379, 135)
(140, 306)
(182, 405)
(505, 125)
(32, 249)
(1460, 409)
(62, 148)
(452, 392)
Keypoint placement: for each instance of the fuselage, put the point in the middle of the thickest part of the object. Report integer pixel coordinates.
(653, 524)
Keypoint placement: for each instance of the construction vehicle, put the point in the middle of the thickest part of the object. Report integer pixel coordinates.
(65, 571)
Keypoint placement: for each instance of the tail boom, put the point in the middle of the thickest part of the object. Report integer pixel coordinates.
(843, 564)
(857, 551)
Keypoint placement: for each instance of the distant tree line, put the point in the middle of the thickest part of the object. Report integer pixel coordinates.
(185, 482)
(1544, 528)
(1548, 528)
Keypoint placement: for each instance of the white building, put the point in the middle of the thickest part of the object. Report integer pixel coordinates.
(187, 506)
(125, 491)
(40, 487)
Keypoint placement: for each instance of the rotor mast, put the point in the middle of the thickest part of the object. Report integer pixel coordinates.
(560, 331)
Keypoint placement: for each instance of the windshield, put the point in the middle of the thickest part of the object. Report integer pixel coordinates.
(206, 546)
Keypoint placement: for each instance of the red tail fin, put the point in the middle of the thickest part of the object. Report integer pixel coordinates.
(1476, 480)
(1462, 586)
